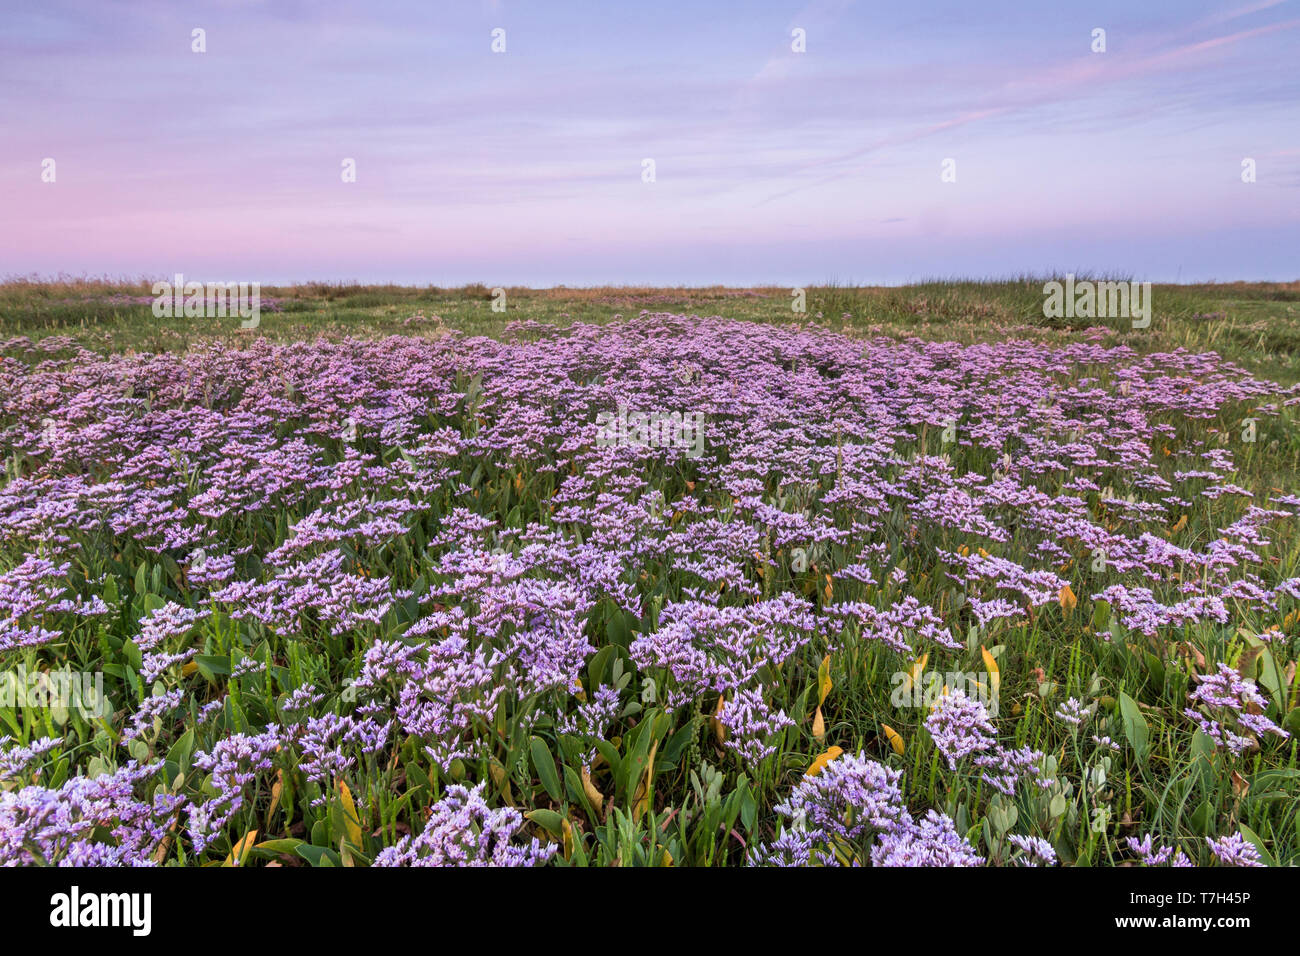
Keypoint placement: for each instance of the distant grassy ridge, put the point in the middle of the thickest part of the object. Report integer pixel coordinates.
(1256, 324)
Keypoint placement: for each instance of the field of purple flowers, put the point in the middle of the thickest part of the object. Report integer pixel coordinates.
(671, 591)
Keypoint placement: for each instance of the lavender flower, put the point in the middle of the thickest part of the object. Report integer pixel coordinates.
(97, 821)
(1237, 704)
(960, 726)
(235, 763)
(1033, 851)
(750, 723)
(1072, 712)
(1234, 850)
(16, 759)
(1150, 854)
(462, 830)
(932, 842)
(850, 797)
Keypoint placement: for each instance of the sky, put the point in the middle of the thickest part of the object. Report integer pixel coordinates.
(770, 166)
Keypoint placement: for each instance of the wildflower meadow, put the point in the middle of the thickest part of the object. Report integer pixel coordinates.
(645, 588)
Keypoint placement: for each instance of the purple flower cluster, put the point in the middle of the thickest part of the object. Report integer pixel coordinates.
(1231, 710)
(156, 629)
(88, 821)
(960, 727)
(1234, 850)
(1033, 851)
(234, 763)
(853, 809)
(750, 723)
(932, 842)
(462, 830)
(851, 797)
(33, 592)
(1151, 854)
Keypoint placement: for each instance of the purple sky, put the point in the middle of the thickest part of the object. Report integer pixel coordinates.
(525, 167)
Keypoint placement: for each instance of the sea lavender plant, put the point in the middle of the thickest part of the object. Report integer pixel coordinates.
(462, 830)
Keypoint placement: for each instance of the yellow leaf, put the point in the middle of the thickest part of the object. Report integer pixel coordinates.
(568, 839)
(502, 780)
(160, 854)
(641, 802)
(990, 665)
(276, 789)
(822, 760)
(351, 822)
(595, 796)
(913, 676)
(1067, 598)
(895, 739)
(819, 726)
(824, 684)
(240, 852)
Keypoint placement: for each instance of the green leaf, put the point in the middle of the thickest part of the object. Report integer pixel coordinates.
(1100, 616)
(599, 668)
(1202, 819)
(1283, 778)
(548, 820)
(210, 665)
(608, 751)
(1135, 726)
(318, 855)
(576, 791)
(1155, 668)
(1057, 806)
(544, 764)
(748, 808)
(1202, 745)
(182, 751)
(1265, 857)
(1270, 675)
(269, 849)
(616, 629)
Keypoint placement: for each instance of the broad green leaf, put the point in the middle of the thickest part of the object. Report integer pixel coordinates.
(1135, 726)
(544, 764)
(548, 820)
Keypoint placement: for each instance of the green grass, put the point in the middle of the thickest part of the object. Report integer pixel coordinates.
(1256, 325)
(1175, 787)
